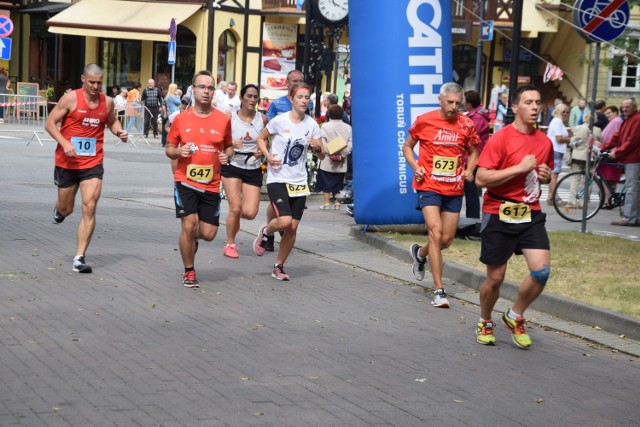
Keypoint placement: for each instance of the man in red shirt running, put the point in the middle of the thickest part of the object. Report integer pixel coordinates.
(513, 165)
(444, 135)
(200, 140)
(84, 113)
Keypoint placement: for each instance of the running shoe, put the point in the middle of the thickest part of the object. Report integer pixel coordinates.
(417, 266)
(440, 299)
(517, 329)
(278, 273)
(269, 245)
(260, 241)
(189, 279)
(231, 251)
(80, 265)
(57, 216)
(484, 333)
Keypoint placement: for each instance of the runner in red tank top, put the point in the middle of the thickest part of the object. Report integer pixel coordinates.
(83, 115)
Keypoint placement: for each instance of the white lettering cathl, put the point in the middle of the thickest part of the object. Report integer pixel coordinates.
(425, 35)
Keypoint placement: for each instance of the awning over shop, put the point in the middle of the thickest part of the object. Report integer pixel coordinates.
(121, 19)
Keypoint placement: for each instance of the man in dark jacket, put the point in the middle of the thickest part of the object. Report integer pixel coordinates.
(625, 148)
(152, 100)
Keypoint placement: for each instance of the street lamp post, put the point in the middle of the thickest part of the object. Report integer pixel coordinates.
(515, 57)
(479, 52)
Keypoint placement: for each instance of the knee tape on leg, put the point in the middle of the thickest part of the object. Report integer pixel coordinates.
(541, 276)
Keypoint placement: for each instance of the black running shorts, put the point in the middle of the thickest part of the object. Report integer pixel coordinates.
(500, 240)
(189, 200)
(65, 178)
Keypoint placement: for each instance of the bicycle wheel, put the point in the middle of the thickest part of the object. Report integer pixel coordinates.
(571, 191)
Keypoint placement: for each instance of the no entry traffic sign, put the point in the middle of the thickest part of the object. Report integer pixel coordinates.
(601, 20)
(6, 26)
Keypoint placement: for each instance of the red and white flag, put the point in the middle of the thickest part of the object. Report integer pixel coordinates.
(553, 72)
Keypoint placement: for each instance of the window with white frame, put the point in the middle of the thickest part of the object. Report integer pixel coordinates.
(624, 75)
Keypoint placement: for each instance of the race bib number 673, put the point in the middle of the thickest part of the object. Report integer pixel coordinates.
(444, 166)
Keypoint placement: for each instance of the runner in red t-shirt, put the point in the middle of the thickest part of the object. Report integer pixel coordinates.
(445, 135)
(83, 115)
(200, 140)
(513, 165)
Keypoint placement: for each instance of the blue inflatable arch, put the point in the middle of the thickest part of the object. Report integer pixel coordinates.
(400, 56)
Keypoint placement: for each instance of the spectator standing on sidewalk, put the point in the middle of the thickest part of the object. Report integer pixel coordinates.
(608, 171)
(559, 136)
(625, 149)
(132, 114)
(444, 136)
(480, 118)
(333, 168)
(4, 85)
(513, 165)
(577, 113)
(83, 115)
(283, 104)
(291, 134)
(151, 99)
(200, 139)
(242, 177)
(170, 104)
(230, 102)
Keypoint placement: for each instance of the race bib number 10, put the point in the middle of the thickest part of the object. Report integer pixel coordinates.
(445, 166)
(200, 173)
(84, 146)
(298, 190)
(515, 213)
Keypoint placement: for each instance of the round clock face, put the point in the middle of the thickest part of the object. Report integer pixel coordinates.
(333, 10)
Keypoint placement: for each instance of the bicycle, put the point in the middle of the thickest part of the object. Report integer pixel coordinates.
(574, 183)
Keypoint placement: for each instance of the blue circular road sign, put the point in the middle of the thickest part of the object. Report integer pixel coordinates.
(601, 20)
(6, 26)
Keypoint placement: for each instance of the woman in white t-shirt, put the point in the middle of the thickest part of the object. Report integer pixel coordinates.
(291, 135)
(560, 136)
(242, 176)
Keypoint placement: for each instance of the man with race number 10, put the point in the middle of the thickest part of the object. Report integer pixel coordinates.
(83, 114)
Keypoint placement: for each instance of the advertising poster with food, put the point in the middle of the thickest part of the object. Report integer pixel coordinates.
(278, 58)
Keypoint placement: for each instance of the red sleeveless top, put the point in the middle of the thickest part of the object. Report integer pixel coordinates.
(87, 124)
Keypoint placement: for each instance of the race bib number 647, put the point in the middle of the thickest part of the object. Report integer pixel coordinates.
(200, 173)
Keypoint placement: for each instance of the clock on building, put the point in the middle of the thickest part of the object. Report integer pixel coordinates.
(333, 12)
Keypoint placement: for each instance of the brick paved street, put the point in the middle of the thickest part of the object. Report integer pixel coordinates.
(349, 341)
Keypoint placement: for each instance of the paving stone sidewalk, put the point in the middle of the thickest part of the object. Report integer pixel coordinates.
(350, 340)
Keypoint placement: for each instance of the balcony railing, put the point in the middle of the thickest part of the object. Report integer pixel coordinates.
(500, 11)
